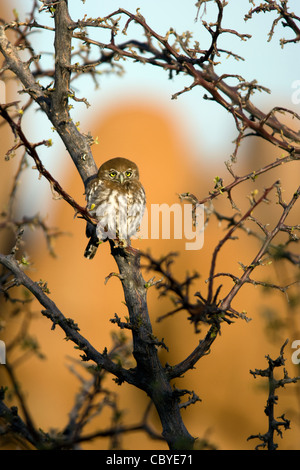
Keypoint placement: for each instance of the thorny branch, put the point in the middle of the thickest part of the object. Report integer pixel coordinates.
(182, 58)
(258, 258)
(176, 54)
(287, 18)
(31, 150)
(274, 425)
(89, 403)
(212, 308)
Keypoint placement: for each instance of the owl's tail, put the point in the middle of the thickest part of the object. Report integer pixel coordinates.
(93, 243)
(90, 250)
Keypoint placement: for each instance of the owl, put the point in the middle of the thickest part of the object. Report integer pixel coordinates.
(116, 199)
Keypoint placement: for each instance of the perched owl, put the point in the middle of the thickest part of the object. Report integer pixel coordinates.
(116, 199)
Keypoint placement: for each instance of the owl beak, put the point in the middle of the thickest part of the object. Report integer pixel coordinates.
(121, 178)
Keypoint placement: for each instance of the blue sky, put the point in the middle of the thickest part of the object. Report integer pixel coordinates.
(272, 66)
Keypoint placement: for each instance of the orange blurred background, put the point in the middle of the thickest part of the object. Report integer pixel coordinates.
(232, 406)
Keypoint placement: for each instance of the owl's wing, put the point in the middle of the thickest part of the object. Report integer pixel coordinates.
(94, 197)
(137, 204)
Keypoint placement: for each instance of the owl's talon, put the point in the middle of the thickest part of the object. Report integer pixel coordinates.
(119, 243)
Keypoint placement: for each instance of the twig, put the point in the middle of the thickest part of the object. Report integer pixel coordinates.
(228, 236)
(274, 425)
(55, 315)
(245, 277)
(31, 150)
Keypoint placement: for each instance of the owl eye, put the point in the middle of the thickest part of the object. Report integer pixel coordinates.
(113, 174)
(128, 173)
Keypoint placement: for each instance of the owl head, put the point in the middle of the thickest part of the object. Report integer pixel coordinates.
(119, 170)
